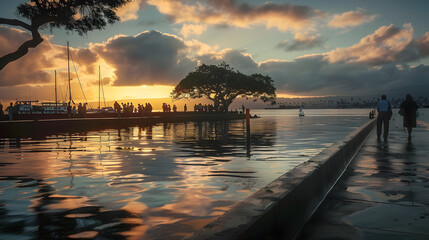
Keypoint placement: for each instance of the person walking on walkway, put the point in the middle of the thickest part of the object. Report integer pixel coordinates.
(384, 114)
(409, 112)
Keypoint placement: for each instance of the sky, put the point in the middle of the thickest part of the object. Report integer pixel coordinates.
(309, 48)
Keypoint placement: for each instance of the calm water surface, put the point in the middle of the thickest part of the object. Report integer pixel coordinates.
(159, 182)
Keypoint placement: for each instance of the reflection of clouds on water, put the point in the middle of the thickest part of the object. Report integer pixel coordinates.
(161, 182)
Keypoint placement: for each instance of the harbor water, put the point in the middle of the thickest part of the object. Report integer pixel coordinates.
(154, 182)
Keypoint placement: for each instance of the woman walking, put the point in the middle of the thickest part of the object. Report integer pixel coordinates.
(409, 111)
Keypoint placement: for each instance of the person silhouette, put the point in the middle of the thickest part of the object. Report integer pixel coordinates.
(11, 110)
(1, 112)
(384, 113)
(409, 108)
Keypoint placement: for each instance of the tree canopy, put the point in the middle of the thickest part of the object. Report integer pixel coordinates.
(223, 85)
(80, 16)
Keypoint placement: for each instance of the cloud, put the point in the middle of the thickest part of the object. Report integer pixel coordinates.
(33, 68)
(423, 44)
(387, 44)
(302, 42)
(316, 76)
(129, 11)
(149, 58)
(237, 59)
(377, 63)
(355, 70)
(192, 29)
(350, 19)
(86, 59)
(105, 81)
(283, 16)
(197, 48)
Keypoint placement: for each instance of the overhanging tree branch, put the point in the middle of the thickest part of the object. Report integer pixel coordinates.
(15, 22)
(60, 14)
(23, 49)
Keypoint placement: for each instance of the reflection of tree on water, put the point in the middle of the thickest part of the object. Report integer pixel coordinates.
(222, 138)
(14, 142)
(158, 163)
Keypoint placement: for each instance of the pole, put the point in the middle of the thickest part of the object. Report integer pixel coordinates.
(68, 70)
(226, 90)
(56, 99)
(99, 86)
(248, 131)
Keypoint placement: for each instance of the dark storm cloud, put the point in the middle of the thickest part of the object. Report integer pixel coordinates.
(316, 76)
(149, 58)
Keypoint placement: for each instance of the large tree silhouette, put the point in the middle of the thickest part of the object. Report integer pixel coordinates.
(80, 16)
(223, 85)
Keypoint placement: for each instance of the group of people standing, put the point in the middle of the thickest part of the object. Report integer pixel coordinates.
(408, 109)
(207, 108)
(128, 108)
(12, 111)
(79, 112)
(167, 108)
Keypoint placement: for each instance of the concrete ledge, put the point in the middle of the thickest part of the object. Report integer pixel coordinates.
(279, 210)
(43, 127)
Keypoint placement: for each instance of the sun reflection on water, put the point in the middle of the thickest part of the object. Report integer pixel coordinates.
(154, 182)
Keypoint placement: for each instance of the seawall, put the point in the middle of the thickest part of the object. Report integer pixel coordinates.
(279, 210)
(31, 128)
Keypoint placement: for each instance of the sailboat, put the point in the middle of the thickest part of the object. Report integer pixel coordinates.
(105, 109)
(301, 113)
(44, 110)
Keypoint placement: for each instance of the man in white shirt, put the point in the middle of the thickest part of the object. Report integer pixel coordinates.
(384, 114)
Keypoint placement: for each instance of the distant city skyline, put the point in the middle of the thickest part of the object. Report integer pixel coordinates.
(312, 48)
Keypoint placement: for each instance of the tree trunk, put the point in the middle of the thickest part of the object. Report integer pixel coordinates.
(23, 49)
(225, 105)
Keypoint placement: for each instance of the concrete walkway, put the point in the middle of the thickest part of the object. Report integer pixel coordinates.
(384, 193)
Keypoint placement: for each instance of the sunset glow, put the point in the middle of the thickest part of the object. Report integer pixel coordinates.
(316, 49)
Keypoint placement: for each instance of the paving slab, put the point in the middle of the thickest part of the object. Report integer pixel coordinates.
(383, 194)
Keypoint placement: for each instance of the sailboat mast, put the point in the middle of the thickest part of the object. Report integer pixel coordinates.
(56, 99)
(99, 87)
(68, 70)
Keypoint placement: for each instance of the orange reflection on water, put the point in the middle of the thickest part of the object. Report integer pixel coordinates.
(135, 207)
(137, 232)
(68, 202)
(79, 215)
(190, 203)
(86, 234)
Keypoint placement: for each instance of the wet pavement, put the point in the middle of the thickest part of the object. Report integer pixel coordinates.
(383, 194)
